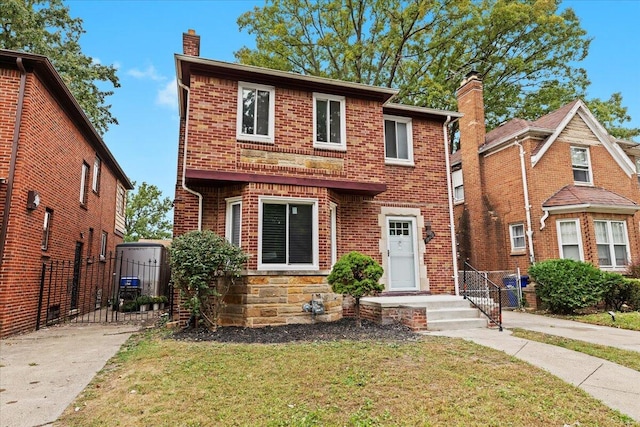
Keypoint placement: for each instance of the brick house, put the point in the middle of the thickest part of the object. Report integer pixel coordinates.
(294, 169)
(556, 187)
(62, 193)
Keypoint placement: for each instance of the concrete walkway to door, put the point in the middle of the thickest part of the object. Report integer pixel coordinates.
(42, 372)
(616, 386)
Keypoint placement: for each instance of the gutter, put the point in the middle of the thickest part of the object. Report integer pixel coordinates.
(184, 158)
(527, 205)
(14, 155)
(452, 225)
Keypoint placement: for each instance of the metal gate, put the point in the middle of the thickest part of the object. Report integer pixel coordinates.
(103, 290)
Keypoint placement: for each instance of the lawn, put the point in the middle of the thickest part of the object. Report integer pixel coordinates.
(629, 320)
(627, 358)
(432, 382)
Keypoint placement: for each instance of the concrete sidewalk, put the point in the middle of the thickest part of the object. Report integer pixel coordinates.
(616, 386)
(42, 372)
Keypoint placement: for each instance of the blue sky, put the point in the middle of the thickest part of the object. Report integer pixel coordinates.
(140, 38)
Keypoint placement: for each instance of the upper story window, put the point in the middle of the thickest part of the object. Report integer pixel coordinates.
(458, 187)
(288, 234)
(234, 220)
(120, 200)
(84, 179)
(516, 232)
(46, 228)
(638, 168)
(611, 239)
(256, 112)
(581, 164)
(570, 239)
(95, 184)
(329, 127)
(398, 140)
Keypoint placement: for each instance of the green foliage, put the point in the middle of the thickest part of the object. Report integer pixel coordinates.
(527, 51)
(144, 299)
(203, 266)
(146, 215)
(45, 27)
(565, 285)
(621, 291)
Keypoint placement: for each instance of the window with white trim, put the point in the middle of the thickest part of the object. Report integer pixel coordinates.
(46, 228)
(95, 185)
(612, 243)
(256, 112)
(581, 164)
(84, 179)
(103, 246)
(288, 234)
(458, 186)
(570, 239)
(234, 220)
(516, 232)
(398, 140)
(638, 168)
(121, 200)
(329, 126)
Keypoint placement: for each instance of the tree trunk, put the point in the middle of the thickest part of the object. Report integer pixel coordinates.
(357, 307)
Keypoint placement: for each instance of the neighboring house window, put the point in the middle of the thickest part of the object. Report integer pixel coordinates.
(516, 231)
(398, 140)
(46, 228)
(95, 185)
(103, 246)
(638, 168)
(458, 187)
(329, 127)
(256, 112)
(569, 239)
(581, 165)
(611, 239)
(120, 201)
(333, 219)
(234, 220)
(84, 178)
(288, 234)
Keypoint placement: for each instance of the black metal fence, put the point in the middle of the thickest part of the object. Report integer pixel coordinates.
(103, 289)
(483, 293)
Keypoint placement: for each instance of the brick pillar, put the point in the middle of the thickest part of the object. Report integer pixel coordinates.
(191, 43)
(472, 136)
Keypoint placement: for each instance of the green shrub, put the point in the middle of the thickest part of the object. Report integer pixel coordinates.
(143, 299)
(623, 291)
(566, 285)
(357, 275)
(203, 266)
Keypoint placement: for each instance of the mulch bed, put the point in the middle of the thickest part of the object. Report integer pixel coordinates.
(344, 329)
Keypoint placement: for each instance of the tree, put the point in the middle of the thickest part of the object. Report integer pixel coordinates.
(357, 275)
(146, 214)
(203, 267)
(526, 50)
(45, 27)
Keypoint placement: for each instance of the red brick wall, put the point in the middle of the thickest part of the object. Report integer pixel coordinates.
(49, 160)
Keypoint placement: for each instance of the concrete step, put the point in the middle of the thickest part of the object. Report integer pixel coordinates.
(452, 314)
(447, 325)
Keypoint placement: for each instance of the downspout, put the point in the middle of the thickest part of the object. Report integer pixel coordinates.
(14, 155)
(184, 159)
(452, 226)
(527, 206)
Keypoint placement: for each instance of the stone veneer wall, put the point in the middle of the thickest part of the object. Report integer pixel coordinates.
(276, 298)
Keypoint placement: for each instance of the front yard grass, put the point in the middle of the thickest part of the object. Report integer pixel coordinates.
(630, 359)
(432, 382)
(629, 320)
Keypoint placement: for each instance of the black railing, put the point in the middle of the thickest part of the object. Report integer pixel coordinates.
(483, 294)
(102, 289)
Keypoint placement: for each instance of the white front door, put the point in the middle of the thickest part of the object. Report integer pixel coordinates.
(402, 251)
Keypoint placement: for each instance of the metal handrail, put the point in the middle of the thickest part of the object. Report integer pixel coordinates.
(484, 294)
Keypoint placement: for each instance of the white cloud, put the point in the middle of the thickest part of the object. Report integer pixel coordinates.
(168, 95)
(149, 73)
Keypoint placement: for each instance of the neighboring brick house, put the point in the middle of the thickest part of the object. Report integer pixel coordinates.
(62, 193)
(556, 187)
(293, 169)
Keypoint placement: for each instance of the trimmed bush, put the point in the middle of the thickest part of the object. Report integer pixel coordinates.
(357, 275)
(565, 285)
(623, 291)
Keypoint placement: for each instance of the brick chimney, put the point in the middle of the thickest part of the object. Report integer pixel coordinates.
(191, 43)
(472, 136)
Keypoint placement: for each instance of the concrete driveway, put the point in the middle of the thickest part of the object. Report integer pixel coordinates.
(42, 372)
